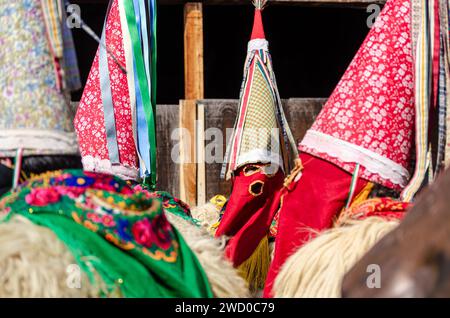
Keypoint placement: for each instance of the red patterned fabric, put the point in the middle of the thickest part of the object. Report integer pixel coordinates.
(250, 210)
(309, 203)
(89, 121)
(387, 208)
(369, 118)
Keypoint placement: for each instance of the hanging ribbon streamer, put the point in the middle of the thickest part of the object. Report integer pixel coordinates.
(17, 167)
(423, 84)
(107, 101)
(145, 107)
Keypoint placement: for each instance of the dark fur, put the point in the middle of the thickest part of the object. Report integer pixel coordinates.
(33, 165)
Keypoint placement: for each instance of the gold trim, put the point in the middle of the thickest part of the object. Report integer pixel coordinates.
(252, 184)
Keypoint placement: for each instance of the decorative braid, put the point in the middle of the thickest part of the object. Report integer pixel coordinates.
(259, 4)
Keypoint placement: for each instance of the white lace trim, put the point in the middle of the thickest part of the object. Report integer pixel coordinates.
(258, 44)
(260, 156)
(94, 164)
(35, 141)
(347, 152)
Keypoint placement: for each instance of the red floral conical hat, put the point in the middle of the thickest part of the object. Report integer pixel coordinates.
(90, 119)
(369, 118)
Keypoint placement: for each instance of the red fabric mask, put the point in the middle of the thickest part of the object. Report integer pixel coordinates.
(250, 210)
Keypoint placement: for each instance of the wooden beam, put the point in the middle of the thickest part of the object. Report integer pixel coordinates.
(193, 50)
(201, 166)
(193, 82)
(188, 165)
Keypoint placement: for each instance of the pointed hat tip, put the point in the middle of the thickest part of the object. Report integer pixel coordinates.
(258, 29)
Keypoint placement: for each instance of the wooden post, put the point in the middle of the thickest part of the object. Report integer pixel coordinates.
(193, 51)
(193, 79)
(201, 165)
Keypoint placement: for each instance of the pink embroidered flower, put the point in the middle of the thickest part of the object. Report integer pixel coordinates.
(42, 197)
(162, 228)
(155, 232)
(143, 234)
(71, 192)
(108, 221)
(94, 217)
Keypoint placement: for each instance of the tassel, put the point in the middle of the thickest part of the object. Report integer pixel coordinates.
(254, 270)
(259, 4)
(295, 171)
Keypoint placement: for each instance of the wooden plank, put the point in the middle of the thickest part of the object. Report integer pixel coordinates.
(201, 167)
(167, 121)
(301, 113)
(187, 141)
(220, 116)
(194, 89)
(193, 51)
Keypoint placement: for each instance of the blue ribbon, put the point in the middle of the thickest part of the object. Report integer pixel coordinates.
(108, 106)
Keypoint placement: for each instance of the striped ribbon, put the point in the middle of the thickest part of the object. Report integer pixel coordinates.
(445, 29)
(423, 82)
(353, 183)
(17, 167)
(52, 18)
(442, 110)
(145, 108)
(107, 101)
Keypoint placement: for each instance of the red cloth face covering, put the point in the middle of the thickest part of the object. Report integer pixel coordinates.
(250, 210)
(310, 203)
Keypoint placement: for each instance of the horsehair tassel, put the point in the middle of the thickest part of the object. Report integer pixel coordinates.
(259, 4)
(93, 35)
(295, 171)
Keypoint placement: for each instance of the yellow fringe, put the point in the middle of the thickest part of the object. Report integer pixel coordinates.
(362, 196)
(219, 201)
(254, 269)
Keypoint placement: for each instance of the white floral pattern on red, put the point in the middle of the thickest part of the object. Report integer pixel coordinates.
(372, 107)
(89, 121)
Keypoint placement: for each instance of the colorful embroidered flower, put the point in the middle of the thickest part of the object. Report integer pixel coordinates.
(42, 197)
(162, 228)
(142, 232)
(108, 221)
(71, 192)
(122, 230)
(94, 217)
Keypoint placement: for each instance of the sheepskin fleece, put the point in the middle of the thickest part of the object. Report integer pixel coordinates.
(224, 279)
(318, 267)
(207, 214)
(35, 263)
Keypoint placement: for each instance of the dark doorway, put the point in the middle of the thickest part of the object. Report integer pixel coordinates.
(311, 47)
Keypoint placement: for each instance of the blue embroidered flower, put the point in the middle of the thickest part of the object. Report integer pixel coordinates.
(122, 228)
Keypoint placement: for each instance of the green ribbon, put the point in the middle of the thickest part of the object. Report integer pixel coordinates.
(148, 100)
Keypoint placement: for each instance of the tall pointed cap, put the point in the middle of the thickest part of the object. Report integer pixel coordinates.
(258, 28)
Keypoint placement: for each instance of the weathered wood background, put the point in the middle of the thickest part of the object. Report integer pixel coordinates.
(220, 114)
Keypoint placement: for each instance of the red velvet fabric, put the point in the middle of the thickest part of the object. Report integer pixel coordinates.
(309, 203)
(247, 218)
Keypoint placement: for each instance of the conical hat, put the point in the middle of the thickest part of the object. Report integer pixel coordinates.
(104, 118)
(34, 113)
(256, 137)
(369, 118)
